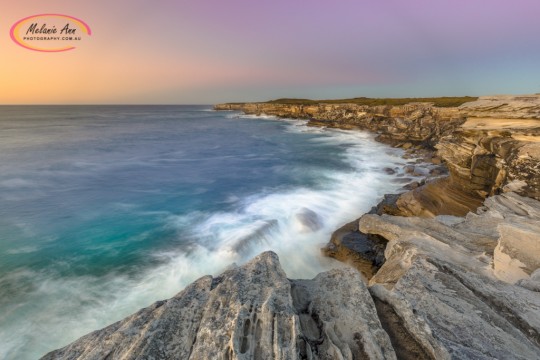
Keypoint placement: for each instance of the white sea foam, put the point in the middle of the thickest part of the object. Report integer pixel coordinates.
(267, 221)
(238, 115)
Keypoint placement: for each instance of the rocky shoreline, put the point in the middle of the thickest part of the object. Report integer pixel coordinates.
(487, 145)
(451, 268)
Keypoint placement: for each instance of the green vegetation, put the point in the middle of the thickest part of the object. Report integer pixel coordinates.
(447, 101)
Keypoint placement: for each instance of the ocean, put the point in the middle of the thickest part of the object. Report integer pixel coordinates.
(106, 209)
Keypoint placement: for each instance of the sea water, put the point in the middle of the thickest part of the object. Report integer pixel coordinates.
(106, 209)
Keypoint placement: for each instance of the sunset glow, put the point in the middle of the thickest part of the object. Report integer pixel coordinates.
(209, 51)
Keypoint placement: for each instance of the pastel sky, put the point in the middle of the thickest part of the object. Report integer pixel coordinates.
(208, 51)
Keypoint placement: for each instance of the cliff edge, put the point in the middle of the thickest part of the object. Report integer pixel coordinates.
(489, 146)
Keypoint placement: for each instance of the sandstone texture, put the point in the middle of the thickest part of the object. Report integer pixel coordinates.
(455, 296)
(490, 146)
(249, 312)
(496, 149)
(407, 124)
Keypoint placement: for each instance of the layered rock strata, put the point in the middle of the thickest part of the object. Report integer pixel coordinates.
(465, 288)
(489, 146)
(419, 123)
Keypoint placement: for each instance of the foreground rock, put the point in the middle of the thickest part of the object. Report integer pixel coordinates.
(250, 312)
(451, 289)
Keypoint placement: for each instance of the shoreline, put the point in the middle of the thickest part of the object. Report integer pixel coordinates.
(483, 143)
(452, 265)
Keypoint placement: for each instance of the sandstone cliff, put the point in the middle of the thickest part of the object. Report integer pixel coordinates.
(496, 149)
(415, 122)
(489, 146)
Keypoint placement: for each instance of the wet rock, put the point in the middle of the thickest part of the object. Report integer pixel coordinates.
(407, 146)
(438, 171)
(436, 160)
(363, 252)
(387, 205)
(308, 220)
(408, 169)
(411, 186)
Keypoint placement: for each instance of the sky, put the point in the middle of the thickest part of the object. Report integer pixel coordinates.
(210, 51)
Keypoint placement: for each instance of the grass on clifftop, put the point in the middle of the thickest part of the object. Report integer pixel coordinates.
(447, 101)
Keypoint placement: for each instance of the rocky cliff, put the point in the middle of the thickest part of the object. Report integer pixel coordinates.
(490, 145)
(439, 286)
(496, 149)
(420, 123)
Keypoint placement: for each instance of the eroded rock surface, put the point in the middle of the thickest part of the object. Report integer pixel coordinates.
(504, 106)
(490, 145)
(250, 312)
(442, 280)
(414, 123)
(497, 149)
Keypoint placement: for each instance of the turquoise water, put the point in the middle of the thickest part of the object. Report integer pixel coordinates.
(105, 209)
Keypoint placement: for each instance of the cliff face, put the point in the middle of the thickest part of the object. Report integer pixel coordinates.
(415, 122)
(498, 146)
(490, 145)
(497, 149)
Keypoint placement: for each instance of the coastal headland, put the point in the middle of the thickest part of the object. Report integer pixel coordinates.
(449, 269)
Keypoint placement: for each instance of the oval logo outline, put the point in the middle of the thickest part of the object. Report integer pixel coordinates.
(16, 27)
